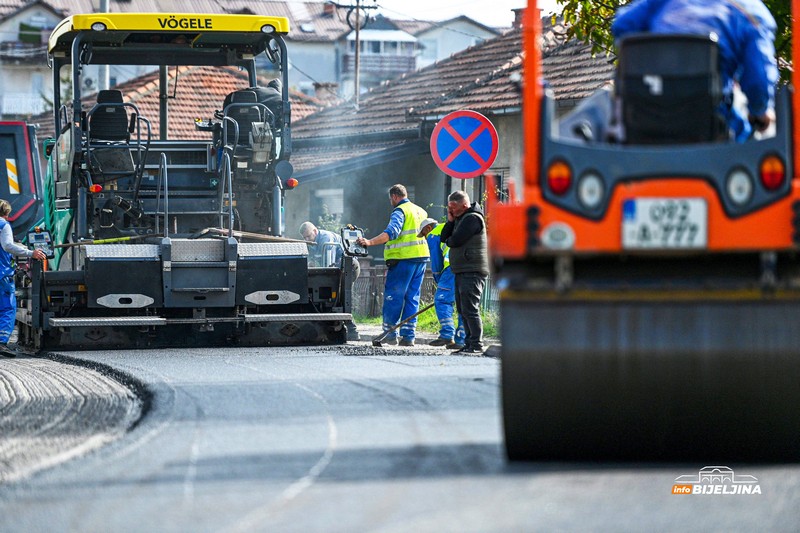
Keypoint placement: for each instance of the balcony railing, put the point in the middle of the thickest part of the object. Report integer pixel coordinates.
(21, 104)
(19, 52)
(384, 66)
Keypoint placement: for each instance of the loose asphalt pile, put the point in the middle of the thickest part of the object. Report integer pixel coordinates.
(51, 412)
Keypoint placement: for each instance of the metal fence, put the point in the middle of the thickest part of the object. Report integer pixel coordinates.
(368, 292)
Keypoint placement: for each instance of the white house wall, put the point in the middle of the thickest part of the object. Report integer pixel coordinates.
(22, 85)
(366, 198)
(509, 154)
(449, 39)
(311, 62)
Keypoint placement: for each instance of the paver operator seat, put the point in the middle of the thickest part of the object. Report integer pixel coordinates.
(109, 140)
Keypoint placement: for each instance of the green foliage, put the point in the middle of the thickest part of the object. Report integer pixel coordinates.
(367, 320)
(431, 207)
(329, 221)
(428, 323)
(590, 21)
(491, 323)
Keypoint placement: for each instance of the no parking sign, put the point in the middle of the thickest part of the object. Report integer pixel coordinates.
(464, 144)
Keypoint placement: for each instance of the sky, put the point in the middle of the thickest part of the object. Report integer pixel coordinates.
(495, 13)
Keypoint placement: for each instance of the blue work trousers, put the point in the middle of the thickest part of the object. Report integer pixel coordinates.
(401, 297)
(445, 304)
(8, 308)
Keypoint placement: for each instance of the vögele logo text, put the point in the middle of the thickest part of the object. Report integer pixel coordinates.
(175, 23)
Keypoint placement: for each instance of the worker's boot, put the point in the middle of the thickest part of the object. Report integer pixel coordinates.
(6, 351)
(352, 332)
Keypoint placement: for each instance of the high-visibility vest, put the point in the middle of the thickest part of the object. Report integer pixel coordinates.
(442, 246)
(407, 245)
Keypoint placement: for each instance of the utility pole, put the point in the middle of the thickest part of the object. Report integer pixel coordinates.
(357, 66)
(102, 71)
(355, 10)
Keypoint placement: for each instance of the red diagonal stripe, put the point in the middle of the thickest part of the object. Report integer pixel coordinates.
(463, 144)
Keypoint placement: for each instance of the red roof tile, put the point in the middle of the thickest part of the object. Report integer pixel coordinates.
(444, 83)
(201, 91)
(484, 78)
(307, 20)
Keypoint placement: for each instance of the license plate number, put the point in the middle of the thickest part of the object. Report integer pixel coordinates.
(664, 223)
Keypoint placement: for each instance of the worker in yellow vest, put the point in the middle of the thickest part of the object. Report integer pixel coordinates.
(406, 256)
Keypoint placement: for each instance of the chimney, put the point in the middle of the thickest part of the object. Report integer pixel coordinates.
(327, 9)
(326, 92)
(518, 14)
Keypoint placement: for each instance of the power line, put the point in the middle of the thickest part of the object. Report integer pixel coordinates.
(320, 84)
(433, 23)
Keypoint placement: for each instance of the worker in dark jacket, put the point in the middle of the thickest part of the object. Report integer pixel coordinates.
(465, 234)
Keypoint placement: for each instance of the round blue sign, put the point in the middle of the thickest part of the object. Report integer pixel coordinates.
(464, 144)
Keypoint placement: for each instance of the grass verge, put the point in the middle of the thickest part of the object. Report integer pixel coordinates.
(428, 322)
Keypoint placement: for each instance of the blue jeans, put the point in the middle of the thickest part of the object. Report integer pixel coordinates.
(445, 303)
(401, 297)
(8, 308)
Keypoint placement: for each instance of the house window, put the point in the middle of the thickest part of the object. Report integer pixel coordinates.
(407, 49)
(38, 21)
(374, 47)
(29, 34)
(391, 48)
(328, 208)
(502, 178)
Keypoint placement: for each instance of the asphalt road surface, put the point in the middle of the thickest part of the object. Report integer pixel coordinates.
(353, 439)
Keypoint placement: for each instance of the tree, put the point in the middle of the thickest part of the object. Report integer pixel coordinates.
(329, 221)
(590, 21)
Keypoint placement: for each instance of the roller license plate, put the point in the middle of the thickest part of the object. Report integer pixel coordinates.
(664, 223)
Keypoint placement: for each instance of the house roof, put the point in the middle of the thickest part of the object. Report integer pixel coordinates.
(383, 35)
(427, 26)
(384, 109)
(573, 73)
(308, 20)
(202, 90)
(9, 9)
(483, 78)
(415, 27)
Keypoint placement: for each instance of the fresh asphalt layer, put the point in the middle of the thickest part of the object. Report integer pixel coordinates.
(54, 408)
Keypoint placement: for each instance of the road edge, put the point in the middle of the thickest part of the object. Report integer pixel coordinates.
(136, 386)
